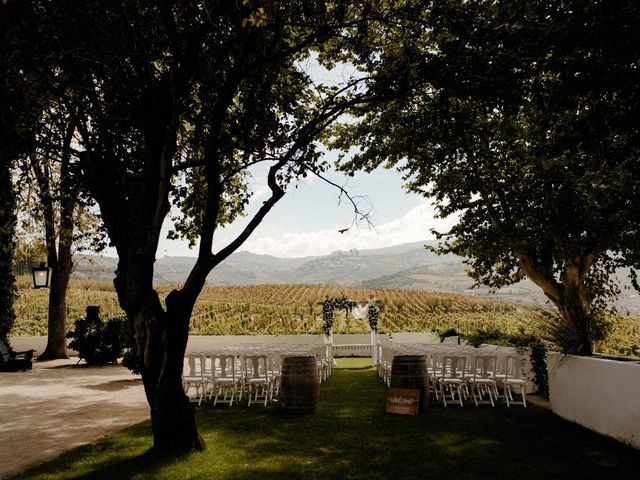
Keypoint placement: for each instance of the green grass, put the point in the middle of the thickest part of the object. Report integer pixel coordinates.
(350, 437)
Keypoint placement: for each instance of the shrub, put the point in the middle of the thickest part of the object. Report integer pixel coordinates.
(449, 332)
(97, 342)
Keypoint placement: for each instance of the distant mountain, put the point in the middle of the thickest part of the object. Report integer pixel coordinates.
(402, 266)
(451, 277)
(341, 267)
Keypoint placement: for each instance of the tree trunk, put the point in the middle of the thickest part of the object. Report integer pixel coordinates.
(578, 322)
(161, 340)
(174, 426)
(61, 260)
(57, 328)
(575, 333)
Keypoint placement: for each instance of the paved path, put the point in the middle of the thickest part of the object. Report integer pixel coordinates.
(57, 407)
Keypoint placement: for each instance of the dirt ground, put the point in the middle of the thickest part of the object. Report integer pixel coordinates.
(58, 406)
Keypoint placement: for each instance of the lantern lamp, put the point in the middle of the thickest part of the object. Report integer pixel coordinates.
(41, 276)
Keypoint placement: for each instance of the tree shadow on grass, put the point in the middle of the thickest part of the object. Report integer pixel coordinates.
(350, 437)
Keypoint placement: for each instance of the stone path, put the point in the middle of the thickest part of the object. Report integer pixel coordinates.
(58, 406)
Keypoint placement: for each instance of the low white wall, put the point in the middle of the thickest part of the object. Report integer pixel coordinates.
(198, 343)
(413, 337)
(351, 338)
(602, 395)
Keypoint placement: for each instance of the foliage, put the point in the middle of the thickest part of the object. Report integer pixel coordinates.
(343, 303)
(449, 332)
(97, 342)
(21, 100)
(331, 304)
(130, 361)
(373, 316)
(179, 103)
(520, 120)
(8, 291)
(366, 443)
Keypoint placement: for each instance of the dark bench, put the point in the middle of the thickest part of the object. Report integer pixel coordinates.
(11, 361)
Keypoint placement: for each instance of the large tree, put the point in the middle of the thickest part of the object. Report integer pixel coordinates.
(175, 102)
(21, 102)
(37, 140)
(521, 118)
(54, 203)
(8, 290)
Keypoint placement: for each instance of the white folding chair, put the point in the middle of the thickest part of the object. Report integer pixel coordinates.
(451, 378)
(274, 361)
(195, 376)
(513, 377)
(482, 380)
(257, 378)
(226, 379)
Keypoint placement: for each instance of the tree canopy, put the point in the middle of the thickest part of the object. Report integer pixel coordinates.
(521, 119)
(173, 103)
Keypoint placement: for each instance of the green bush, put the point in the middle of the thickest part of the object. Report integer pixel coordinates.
(449, 332)
(97, 342)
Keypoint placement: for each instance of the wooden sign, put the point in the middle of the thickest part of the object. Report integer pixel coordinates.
(403, 401)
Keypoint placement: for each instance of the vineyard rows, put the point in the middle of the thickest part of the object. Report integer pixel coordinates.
(296, 309)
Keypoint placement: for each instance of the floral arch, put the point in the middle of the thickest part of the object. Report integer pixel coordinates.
(329, 305)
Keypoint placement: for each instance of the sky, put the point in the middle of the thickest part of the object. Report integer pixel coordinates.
(307, 220)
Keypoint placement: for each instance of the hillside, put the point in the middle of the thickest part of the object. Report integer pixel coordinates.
(451, 277)
(405, 266)
(341, 268)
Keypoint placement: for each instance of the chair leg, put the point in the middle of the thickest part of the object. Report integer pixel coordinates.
(490, 396)
(201, 390)
(435, 388)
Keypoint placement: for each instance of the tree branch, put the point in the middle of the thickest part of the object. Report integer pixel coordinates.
(357, 214)
(549, 286)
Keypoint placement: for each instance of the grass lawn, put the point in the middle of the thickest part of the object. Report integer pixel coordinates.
(350, 437)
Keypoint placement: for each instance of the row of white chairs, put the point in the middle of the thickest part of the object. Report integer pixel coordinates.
(462, 373)
(232, 374)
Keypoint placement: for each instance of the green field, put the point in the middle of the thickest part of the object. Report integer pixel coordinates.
(295, 309)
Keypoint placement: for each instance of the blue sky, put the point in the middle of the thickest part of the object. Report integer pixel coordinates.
(306, 221)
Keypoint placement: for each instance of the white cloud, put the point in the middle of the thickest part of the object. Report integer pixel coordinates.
(261, 191)
(414, 226)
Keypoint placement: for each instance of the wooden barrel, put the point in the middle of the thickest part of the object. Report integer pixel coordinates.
(300, 384)
(410, 371)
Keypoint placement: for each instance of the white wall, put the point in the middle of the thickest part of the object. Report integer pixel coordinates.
(602, 395)
(414, 337)
(198, 343)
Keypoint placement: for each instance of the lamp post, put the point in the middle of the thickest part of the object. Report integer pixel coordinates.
(41, 276)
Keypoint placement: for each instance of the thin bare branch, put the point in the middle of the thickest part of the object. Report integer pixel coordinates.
(358, 215)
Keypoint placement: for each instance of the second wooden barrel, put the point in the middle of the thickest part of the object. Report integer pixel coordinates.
(410, 371)
(300, 384)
